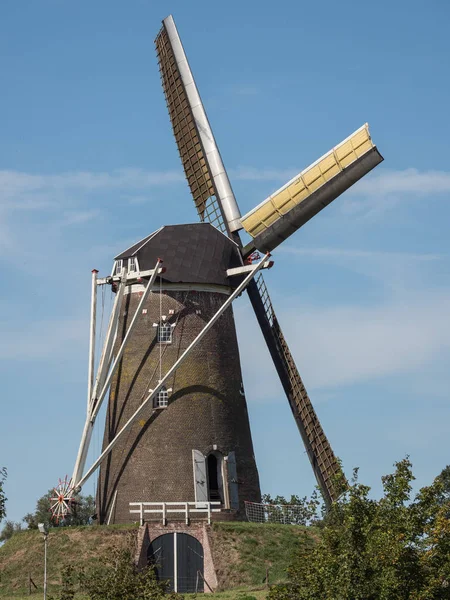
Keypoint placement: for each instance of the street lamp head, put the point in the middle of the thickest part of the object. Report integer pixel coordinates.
(43, 528)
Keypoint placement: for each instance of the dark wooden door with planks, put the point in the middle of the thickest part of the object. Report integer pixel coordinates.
(178, 559)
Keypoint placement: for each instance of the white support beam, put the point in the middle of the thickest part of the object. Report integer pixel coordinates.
(133, 276)
(106, 357)
(98, 401)
(92, 338)
(246, 269)
(149, 399)
(104, 362)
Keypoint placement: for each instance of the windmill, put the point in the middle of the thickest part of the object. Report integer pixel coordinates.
(177, 429)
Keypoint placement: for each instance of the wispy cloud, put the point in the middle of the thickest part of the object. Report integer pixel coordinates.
(382, 191)
(403, 328)
(346, 253)
(43, 340)
(78, 217)
(344, 345)
(15, 184)
(411, 181)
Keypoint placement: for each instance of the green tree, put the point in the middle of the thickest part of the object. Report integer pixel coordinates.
(395, 548)
(9, 529)
(445, 480)
(3, 498)
(82, 510)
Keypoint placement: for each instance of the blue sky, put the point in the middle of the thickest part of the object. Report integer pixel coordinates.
(88, 165)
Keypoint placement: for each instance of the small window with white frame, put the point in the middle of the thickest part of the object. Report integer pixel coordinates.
(162, 398)
(164, 333)
(119, 267)
(132, 266)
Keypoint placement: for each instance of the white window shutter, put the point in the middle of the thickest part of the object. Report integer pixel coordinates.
(200, 478)
(233, 481)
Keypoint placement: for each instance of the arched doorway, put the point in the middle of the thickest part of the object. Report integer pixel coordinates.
(178, 559)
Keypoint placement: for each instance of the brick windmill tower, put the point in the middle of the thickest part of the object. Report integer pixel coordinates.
(177, 428)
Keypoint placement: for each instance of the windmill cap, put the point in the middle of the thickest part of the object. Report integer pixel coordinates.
(192, 253)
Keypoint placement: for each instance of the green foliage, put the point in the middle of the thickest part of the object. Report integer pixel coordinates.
(445, 480)
(396, 548)
(119, 579)
(9, 529)
(3, 498)
(295, 511)
(82, 510)
(68, 582)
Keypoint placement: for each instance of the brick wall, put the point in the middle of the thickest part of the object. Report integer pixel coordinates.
(207, 410)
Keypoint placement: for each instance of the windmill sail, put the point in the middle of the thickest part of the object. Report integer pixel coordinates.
(206, 175)
(326, 467)
(216, 203)
(306, 194)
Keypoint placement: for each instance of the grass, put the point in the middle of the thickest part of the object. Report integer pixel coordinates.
(243, 554)
(23, 554)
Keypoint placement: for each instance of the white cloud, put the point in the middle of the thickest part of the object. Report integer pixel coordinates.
(406, 330)
(344, 345)
(14, 183)
(382, 191)
(345, 253)
(78, 217)
(411, 181)
(24, 341)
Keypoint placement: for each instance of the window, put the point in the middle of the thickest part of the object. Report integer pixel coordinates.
(164, 334)
(162, 398)
(119, 267)
(131, 265)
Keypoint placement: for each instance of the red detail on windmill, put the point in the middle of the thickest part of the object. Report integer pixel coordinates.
(61, 503)
(254, 256)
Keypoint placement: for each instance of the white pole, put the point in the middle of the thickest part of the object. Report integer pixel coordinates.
(175, 563)
(87, 430)
(106, 357)
(142, 301)
(112, 508)
(192, 345)
(92, 338)
(96, 403)
(45, 566)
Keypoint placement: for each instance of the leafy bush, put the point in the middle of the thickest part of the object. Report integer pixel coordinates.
(83, 508)
(395, 548)
(119, 579)
(9, 529)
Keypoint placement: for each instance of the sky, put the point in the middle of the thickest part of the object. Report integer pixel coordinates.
(88, 165)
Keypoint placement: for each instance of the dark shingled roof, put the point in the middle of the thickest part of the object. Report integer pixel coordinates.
(194, 253)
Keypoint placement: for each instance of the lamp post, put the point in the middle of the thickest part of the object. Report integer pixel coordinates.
(43, 529)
